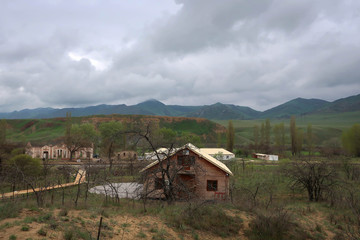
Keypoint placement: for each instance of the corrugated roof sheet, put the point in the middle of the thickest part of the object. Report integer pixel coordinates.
(215, 151)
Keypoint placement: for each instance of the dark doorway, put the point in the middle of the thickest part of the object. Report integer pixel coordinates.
(187, 186)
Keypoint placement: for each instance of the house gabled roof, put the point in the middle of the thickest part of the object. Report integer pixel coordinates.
(200, 153)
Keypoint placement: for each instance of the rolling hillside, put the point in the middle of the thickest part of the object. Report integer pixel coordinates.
(298, 106)
(46, 131)
(349, 104)
(224, 111)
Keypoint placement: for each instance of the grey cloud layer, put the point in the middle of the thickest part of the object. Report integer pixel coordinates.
(255, 53)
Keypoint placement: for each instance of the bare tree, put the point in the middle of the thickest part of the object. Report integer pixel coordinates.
(164, 174)
(63, 172)
(315, 177)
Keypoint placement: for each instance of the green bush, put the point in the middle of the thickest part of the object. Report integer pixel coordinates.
(12, 237)
(25, 228)
(274, 225)
(44, 218)
(25, 164)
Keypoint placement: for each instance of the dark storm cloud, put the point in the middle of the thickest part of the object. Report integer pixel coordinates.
(256, 53)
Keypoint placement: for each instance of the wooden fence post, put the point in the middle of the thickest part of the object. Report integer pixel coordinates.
(99, 231)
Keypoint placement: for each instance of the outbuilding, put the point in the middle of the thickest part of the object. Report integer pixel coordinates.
(266, 156)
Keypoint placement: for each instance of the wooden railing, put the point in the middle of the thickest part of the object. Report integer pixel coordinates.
(219, 195)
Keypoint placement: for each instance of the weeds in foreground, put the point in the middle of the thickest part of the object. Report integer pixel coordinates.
(141, 234)
(75, 233)
(9, 210)
(204, 218)
(25, 228)
(276, 224)
(12, 237)
(162, 234)
(42, 232)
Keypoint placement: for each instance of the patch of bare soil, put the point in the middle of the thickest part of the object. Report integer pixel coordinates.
(315, 223)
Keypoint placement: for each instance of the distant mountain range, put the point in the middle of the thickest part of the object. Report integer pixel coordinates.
(217, 111)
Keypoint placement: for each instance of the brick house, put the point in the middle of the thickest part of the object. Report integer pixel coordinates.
(195, 174)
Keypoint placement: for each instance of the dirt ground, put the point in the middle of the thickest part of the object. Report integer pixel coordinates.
(55, 224)
(114, 227)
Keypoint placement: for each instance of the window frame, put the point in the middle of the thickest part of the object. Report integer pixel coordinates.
(212, 185)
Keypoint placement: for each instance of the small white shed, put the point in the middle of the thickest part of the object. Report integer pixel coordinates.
(266, 156)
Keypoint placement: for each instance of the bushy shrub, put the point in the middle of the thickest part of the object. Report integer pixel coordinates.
(75, 233)
(205, 218)
(25, 228)
(42, 232)
(274, 225)
(44, 218)
(12, 237)
(69, 234)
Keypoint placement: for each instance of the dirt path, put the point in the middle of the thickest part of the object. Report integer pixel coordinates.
(80, 178)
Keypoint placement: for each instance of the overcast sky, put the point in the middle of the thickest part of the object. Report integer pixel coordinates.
(61, 53)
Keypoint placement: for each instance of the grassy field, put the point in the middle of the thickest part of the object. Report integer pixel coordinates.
(38, 130)
(262, 206)
(325, 126)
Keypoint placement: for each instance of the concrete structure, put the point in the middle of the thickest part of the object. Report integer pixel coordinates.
(266, 156)
(57, 152)
(125, 155)
(161, 153)
(219, 153)
(196, 173)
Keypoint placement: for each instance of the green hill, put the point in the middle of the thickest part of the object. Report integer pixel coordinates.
(349, 104)
(298, 106)
(221, 111)
(46, 131)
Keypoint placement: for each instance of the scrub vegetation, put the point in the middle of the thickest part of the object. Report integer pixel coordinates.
(312, 192)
